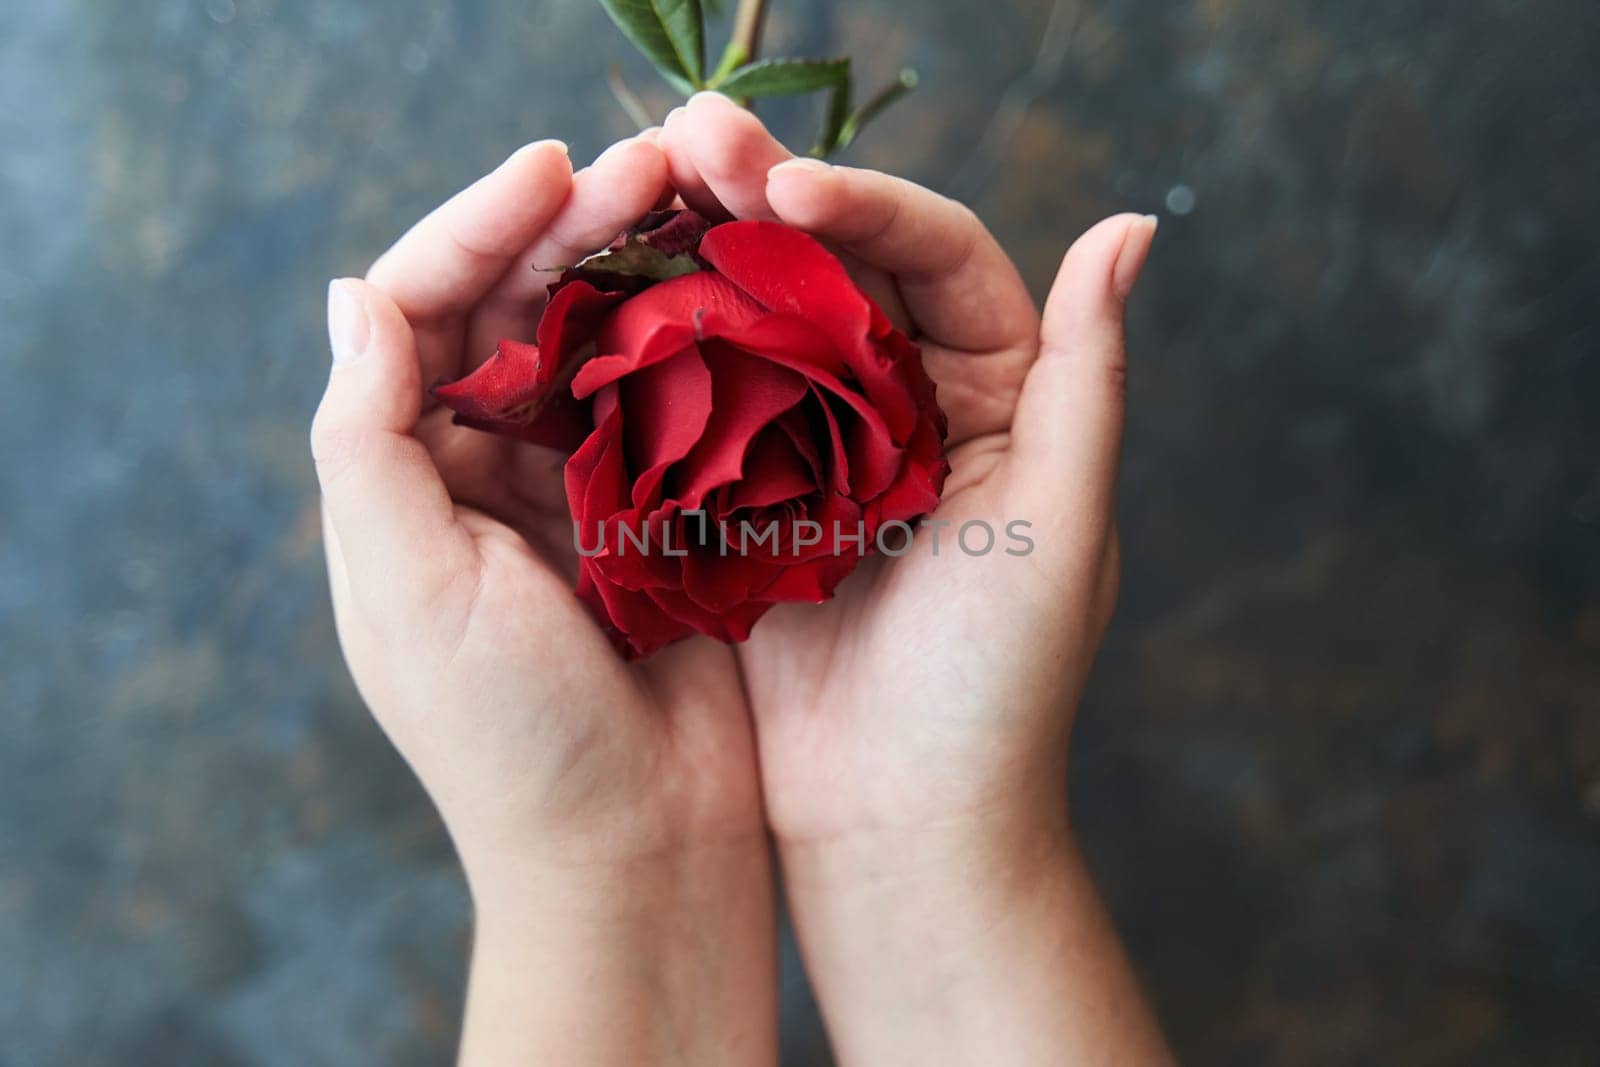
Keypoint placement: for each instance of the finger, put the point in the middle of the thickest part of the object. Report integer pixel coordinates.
(732, 152)
(683, 172)
(669, 196)
(400, 543)
(959, 286)
(608, 196)
(1068, 426)
(445, 264)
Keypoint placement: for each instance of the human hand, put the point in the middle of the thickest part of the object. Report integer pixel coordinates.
(607, 814)
(913, 732)
(948, 668)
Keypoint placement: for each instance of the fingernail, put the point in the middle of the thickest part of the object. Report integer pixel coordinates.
(708, 94)
(549, 142)
(801, 164)
(649, 133)
(348, 326)
(618, 147)
(1131, 259)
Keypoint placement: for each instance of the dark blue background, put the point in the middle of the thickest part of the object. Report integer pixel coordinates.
(1340, 768)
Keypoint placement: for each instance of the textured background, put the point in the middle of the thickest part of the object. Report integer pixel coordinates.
(1340, 768)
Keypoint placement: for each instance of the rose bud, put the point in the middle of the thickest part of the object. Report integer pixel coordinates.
(742, 421)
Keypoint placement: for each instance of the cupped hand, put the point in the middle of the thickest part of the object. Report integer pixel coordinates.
(608, 815)
(451, 558)
(913, 731)
(939, 686)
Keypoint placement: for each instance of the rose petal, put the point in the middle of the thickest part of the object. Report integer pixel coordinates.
(874, 455)
(827, 422)
(570, 321)
(728, 626)
(505, 395)
(519, 391)
(626, 564)
(915, 492)
(639, 623)
(773, 472)
(841, 522)
(784, 338)
(719, 583)
(747, 393)
(681, 301)
(665, 408)
(812, 582)
(659, 323)
(605, 491)
(663, 342)
(582, 475)
(797, 428)
(874, 460)
(920, 483)
(789, 271)
(672, 232)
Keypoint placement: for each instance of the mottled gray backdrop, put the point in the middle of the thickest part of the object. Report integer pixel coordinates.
(1340, 768)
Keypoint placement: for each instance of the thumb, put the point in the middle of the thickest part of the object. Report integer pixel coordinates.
(1067, 430)
(396, 528)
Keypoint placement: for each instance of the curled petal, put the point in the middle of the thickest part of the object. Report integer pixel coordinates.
(774, 471)
(871, 444)
(521, 391)
(747, 394)
(789, 271)
(682, 301)
(667, 405)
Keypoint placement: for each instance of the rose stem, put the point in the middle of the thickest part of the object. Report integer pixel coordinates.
(747, 24)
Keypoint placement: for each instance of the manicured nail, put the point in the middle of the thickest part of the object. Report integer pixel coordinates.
(1131, 259)
(348, 326)
(801, 164)
(528, 149)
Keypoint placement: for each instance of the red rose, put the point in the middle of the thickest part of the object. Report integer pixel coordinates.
(745, 420)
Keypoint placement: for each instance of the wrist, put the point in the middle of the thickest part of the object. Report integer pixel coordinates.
(979, 939)
(579, 887)
(648, 960)
(938, 843)
(943, 872)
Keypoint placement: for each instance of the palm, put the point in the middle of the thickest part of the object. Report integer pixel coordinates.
(478, 540)
(836, 741)
(913, 672)
(669, 735)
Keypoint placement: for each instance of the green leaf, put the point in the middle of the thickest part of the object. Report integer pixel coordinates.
(834, 122)
(670, 33)
(686, 29)
(785, 77)
(903, 84)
